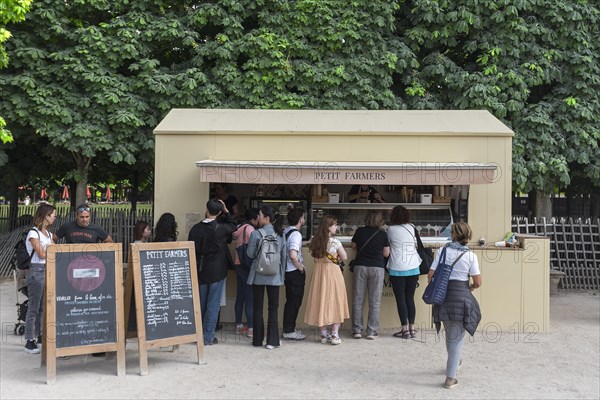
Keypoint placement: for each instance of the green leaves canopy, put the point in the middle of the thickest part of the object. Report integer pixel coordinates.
(95, 77)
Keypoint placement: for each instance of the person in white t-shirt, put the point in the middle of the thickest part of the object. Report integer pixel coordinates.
(295, 274)
(38, 238)
(460, 311)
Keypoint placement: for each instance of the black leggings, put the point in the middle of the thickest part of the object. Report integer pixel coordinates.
(404, 290)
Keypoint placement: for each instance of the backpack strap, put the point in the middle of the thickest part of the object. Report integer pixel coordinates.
(262, 238)
(39, 238)
(289, 233)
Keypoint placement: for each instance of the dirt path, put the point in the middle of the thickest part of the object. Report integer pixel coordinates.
(562, 364)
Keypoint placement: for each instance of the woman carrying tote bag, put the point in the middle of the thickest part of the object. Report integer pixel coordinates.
(460, 311)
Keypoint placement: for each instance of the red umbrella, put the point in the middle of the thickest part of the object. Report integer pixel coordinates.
(65, 193)
(87, 192)
(43, 195)
(108, 194)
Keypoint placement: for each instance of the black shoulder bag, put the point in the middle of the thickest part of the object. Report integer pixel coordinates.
(425, 253)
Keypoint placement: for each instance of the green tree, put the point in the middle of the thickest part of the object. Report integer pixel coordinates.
(532, 64)
(73, 80)
(11, 11)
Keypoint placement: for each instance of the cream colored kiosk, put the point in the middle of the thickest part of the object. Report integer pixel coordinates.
(443, 164)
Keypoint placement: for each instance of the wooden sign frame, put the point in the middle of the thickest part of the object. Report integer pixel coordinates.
(50, 351)
(134, 291)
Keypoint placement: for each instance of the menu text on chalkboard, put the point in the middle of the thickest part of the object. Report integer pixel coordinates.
(167, 293)
(85, 298)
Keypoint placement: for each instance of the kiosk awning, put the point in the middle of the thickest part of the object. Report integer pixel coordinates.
(376, 173)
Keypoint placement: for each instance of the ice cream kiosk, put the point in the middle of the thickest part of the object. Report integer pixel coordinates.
(444, 166)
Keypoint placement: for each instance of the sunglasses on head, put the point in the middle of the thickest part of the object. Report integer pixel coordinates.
(82, 209)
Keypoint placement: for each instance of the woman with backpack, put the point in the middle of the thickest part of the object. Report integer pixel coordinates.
(38, 238)
(243, 299)
(264, 276)
(327, 303)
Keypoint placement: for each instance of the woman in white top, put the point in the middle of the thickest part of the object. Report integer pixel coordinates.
(403, 267)
(38, 238)
(460, 311)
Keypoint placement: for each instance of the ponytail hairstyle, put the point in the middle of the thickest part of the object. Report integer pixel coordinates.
(320, 242)
(461, 232)
(274, 218)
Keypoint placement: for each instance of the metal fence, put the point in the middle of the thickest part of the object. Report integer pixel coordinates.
(574, 248)
(118, 223)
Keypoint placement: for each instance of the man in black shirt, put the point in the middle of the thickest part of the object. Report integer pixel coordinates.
(364, 194)
(211, 237)
(82, 230)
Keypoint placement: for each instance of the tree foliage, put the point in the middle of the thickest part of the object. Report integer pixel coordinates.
(11, 11)
(96, 76)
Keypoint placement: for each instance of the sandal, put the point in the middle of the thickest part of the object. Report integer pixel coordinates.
(402, 334)
(413, 333)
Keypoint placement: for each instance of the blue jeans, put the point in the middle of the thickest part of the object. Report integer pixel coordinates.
(244, 297)
(36, 280)
(210, 302)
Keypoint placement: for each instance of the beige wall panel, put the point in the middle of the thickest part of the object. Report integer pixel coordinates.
(501, 294)
(536, 285)
(178, 189)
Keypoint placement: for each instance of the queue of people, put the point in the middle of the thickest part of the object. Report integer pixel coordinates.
(326, 305)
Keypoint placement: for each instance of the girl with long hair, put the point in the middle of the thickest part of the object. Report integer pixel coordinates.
(166, 229)
(38, 238)
(327, 304)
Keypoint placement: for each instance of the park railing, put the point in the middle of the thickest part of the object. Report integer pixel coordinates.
(574, 247)
(118, 222)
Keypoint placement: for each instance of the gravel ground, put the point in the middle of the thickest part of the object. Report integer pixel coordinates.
(561, 364)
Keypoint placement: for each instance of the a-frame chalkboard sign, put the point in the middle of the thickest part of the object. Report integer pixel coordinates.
(162, 284)
(84, 303)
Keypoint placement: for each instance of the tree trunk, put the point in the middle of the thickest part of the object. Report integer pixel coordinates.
(595, 205)
(135, 191)
(13, 209)
(81, 177)
(543, 205)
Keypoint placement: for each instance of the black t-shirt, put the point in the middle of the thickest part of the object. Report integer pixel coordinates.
(74, 233)
(372, 255)
(356, 189)
(210, 239)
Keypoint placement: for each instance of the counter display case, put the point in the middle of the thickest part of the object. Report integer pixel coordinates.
(433, 221)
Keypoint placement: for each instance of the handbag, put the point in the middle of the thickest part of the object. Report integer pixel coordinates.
(351, 263)
(435, 292)
(425, 253)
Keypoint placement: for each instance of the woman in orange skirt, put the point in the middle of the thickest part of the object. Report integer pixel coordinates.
(327, 305)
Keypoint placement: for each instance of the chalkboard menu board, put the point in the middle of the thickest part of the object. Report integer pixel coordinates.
(161, 290)
(85, 298)
(167, 292)
(83, 308)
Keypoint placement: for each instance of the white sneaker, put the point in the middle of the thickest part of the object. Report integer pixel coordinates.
(336, 340)
(326, 339)
(271, 347)
(357, 336)
(296, 335)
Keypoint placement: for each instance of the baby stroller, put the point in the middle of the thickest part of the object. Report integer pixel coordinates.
(20, 277)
